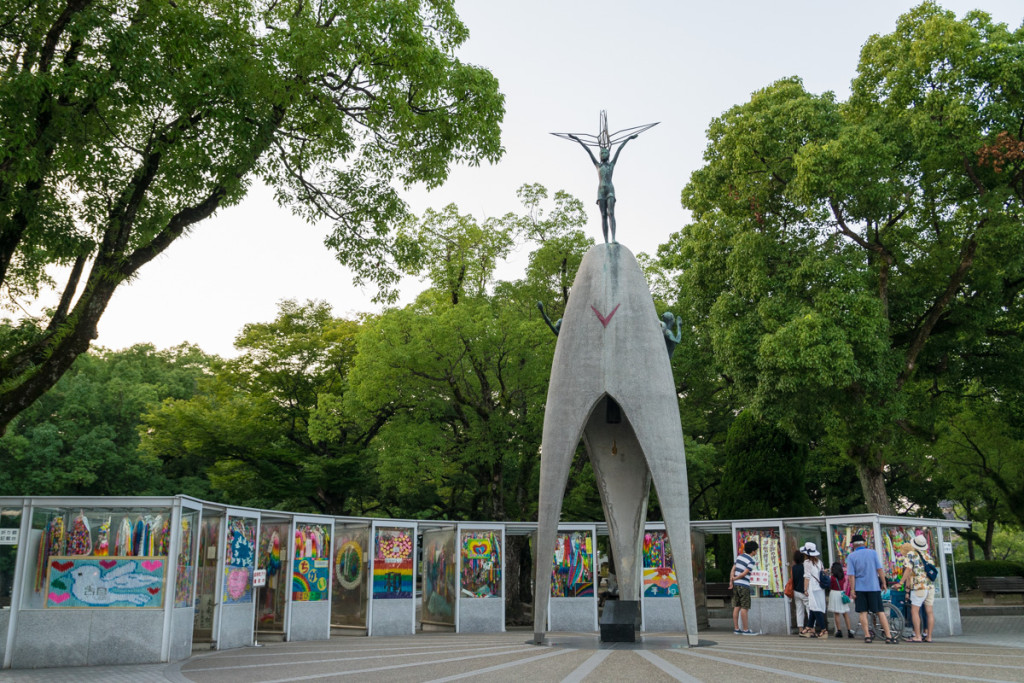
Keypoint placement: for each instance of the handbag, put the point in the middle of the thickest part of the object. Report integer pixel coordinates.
(930, 570)
(788, 590)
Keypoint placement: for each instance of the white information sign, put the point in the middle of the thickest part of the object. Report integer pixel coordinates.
(259, 578)
(947, 547)
(759, 577)
(9, 536)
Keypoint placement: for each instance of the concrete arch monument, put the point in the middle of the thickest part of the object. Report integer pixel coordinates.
(612, 387)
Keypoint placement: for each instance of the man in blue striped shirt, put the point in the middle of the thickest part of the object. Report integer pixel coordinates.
(739, 582)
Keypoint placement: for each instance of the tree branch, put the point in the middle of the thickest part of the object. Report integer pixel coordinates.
(938, 308)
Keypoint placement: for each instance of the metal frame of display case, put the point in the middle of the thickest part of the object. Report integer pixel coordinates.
(182, 505)
(944, 598)
(774, 607)
(248, 616)
(29, 506)
(353, 523)
(291, 626)
(422, 569)
(822, 529)
(569, 528)
(669, 609)
(474, 526)
(413, 530)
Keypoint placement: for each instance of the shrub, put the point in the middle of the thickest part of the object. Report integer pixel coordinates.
(715, 575)
(967, 573)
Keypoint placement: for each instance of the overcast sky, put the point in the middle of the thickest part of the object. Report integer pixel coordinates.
(680, 62)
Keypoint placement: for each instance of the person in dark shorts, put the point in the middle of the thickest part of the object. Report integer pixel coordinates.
(866, 576)
(739, 582)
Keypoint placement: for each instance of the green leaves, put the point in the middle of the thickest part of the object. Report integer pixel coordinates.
(81, 437)
(123, 124)
(842, 250)
(268, 428)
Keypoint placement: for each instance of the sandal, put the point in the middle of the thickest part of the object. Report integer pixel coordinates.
(868, 639)
(893, 640)
(913, 640)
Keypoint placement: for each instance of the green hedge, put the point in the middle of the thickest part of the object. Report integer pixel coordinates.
(715, 575)
(967, 573)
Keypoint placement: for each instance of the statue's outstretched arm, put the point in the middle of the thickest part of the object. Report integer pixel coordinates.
(540, 307)
(586, 148)
(619, 150)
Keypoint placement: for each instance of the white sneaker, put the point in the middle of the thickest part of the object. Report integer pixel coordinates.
(748, 632)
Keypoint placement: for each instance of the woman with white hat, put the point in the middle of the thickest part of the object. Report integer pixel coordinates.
(922, 588)
(815, 593)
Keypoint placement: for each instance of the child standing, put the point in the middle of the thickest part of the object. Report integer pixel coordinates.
(739, 582)
(835, 599)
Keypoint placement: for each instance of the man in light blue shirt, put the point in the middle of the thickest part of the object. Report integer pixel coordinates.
(864, 570)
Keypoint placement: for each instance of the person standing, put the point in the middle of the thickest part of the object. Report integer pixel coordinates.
(836, 597)
(815, 593)
(865, 574)
(739, 582)
(799, 597)
(922, 588)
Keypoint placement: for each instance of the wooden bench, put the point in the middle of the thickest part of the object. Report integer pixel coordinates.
(718, 591)
(991, 585)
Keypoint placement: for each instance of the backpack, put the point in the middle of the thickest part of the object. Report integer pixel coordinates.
(824, 580)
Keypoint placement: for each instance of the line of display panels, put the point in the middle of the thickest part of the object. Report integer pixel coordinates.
(195, 572)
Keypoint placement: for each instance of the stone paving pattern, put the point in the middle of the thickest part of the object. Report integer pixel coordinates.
(992, 649)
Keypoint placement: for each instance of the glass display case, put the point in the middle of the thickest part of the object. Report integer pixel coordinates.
(311, 571)
(480, 575)
(768, 559)
(659, 579)
(351, 562)
(840, 535)
(10, 537)
(188, 553)
(207, 576)
(239, 560)
(98, 557)
(573, 572)
(894, 541)
(438, 577)
(392, 563)
(274, 553)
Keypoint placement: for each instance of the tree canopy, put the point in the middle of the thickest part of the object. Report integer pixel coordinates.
(124, 123)
(850, 289)
(843, 251)
(81, 437)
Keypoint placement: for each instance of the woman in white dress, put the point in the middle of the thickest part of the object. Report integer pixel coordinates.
(815, 593)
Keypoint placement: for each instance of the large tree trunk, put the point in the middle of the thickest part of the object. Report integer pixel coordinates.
(872, 482)
(990, 532)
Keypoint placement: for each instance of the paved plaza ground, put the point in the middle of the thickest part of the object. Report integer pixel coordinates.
(991, 649)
